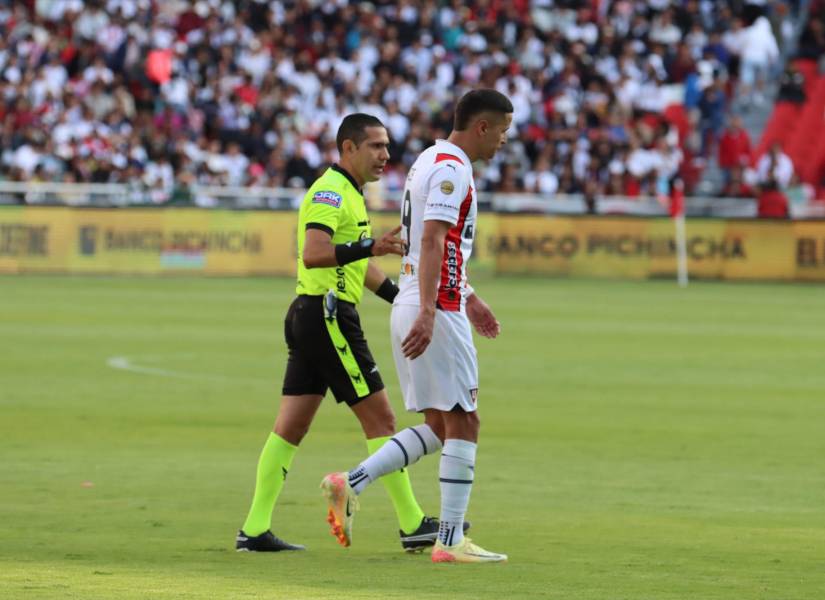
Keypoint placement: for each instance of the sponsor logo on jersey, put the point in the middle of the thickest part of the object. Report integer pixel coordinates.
(447, 187)
(474, 395)
(443, 205)
(452, 264)
(340, 280)
(328, 198)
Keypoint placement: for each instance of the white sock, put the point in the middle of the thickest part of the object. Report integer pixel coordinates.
(401, 450)
(458, 459)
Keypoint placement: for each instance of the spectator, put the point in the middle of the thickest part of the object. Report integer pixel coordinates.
(812, 40)
(236, 165)
(716, 49)
(736, 187)
(91, 22)
(540, 179)
(734, 42)
(760, 53)
(712, 110)
(734, 148)
(791, 86)
(774, 169)
(682, 65)
(799, 193)
(772, 204)
(668, 158)
(298, 168)
(664, 31)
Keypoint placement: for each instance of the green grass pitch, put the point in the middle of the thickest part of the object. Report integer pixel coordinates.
(638, 442)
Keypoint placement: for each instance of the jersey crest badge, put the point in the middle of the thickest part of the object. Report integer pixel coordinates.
(447, 187)
(329, 198)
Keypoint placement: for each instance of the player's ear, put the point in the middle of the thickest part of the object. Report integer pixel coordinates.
(482, 126)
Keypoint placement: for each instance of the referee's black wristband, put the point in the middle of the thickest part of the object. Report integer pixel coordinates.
(387, 290)
(352, 251)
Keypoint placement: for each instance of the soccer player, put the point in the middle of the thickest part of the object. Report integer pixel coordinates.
(430, 324)
(327, 348)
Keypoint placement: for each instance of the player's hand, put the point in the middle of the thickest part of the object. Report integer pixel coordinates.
(389, 243)
(482, 317)
(420, 334)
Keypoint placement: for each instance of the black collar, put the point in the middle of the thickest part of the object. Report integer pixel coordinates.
(350, 178)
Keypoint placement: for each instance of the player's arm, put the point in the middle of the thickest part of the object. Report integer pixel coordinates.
(319, 251)
(446, 188)
(429, 274)
(376, 281)
(429, 264)
(481, 316)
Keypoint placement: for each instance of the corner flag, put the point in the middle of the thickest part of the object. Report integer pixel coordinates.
(677, 211)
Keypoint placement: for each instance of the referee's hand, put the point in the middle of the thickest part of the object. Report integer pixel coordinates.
(389, 243)
(420, 334)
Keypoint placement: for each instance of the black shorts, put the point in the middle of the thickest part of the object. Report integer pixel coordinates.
(327, 353)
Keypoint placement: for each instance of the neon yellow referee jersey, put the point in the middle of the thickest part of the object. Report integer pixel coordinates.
(334, 204)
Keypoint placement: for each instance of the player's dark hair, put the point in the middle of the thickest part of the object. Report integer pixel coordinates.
(476, 102)
(354, 127)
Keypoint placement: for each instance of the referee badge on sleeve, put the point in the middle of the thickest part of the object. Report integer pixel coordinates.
(447, 187)
(329, 198)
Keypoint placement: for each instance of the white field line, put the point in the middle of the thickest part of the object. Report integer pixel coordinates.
(132, 364)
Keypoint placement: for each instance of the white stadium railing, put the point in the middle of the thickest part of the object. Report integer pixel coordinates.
(264, 198)
(113, 195)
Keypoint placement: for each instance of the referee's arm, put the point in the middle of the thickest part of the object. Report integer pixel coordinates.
(318, 248)
(319, 251)
(375, 277)
(376, 281)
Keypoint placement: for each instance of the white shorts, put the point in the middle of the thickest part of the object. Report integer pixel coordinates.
(446, 375)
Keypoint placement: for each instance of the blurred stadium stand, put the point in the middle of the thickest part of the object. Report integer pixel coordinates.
(236, 103)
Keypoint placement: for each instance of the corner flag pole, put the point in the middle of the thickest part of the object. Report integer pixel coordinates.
(677, 211)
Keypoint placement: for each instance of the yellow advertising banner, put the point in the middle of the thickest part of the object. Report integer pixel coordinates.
(146, 241)
(222, 242)
(624, 247)
(809, 246)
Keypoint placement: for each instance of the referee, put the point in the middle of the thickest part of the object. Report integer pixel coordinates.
(327, 348)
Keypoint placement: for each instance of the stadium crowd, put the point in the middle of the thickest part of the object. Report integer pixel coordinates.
(611, 97)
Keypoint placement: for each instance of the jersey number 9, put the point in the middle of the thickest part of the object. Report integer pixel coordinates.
(406, 222)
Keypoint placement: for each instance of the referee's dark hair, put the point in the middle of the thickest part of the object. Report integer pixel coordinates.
(478, 101)
(353, 127)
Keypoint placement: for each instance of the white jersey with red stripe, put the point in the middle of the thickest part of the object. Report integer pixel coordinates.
(439, 187)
